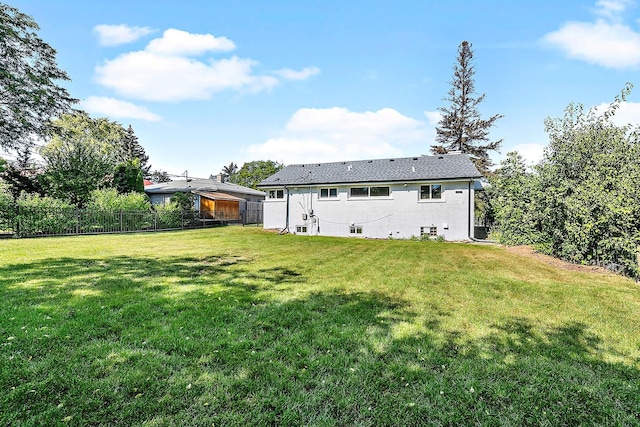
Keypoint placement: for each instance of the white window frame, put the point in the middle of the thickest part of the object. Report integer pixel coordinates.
(355, 229)
(276, 192)
(329, 190)
(431, 188)
(302, 229)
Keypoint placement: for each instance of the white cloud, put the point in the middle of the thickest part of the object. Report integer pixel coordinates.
(166, 71)
(628, 113)
(611, 9)
(433, 117)
(303, 74)
(607, 41)
(332, 134)
(113, 35)
(531, 153)
(115, 108)
(181, 43)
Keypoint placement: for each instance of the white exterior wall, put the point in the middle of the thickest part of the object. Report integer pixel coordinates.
(401, 215)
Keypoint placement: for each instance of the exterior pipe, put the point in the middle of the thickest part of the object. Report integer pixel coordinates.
(286, 227)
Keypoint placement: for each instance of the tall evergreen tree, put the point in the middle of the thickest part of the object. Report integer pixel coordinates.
(461, 127)
(133, 150)
(22, 174)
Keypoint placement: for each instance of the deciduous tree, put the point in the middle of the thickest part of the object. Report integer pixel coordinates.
(251, 173)
(81, 156)
(29, 96)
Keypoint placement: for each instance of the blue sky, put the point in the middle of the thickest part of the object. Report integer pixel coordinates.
(205, 83)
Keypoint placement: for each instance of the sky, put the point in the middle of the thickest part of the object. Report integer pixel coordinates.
(205, 83)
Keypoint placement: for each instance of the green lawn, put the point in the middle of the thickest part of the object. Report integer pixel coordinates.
(236, 326)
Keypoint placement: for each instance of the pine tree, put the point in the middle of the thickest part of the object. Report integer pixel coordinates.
(22, 174)
(133, 150)
(461, 127)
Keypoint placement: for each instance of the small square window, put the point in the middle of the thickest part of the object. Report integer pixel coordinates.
(433, 191)
(355, 229)
(301, 228)
(328, 193)
(276, 194)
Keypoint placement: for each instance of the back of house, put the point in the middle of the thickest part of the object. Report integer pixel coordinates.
(383, 198)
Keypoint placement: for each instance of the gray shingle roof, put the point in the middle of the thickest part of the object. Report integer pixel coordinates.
(422, 168)
(198, 184)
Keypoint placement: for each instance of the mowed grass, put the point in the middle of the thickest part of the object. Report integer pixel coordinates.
(237, 326)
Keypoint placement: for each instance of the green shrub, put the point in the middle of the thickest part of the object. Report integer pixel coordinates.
(44, 215)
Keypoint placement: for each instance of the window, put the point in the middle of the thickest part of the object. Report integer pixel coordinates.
(379, 191)
(429, 231)
(355, 229)
(429, 192)
(276, 194)
(301, 228)
(328, 193)
(359, 192)
(369, 192)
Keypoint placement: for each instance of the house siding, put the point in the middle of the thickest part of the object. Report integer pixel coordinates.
(401, 215)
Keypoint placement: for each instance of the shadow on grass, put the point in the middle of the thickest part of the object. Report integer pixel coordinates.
(215, 340)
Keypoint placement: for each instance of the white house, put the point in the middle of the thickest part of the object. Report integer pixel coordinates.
(398, 198)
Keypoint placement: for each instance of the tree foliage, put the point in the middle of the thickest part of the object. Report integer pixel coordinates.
(22, 174)
(251, 173)
(228, 171)
(109, 199)
(461, 127)
(81, 156)
(29, 96)
(159, 176)
(584, 202)
(134, 151)
(127, 177)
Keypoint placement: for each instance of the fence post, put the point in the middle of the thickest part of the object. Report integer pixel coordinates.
(16, 229)
(121, 225)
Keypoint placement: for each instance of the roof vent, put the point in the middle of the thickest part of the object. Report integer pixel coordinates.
(415, 158)
(392, 160)
(349, 167)
(440, 157)
(413, 168)
(370, 161)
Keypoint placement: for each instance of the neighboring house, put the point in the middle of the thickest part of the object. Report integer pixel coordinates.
(226, 199)
(398, 198)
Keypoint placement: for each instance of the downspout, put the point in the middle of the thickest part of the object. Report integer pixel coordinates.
(286, 227)
(469, 233)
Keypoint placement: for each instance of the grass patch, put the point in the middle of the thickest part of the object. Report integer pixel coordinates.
(233, 326)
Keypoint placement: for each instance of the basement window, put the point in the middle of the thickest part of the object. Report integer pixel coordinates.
(301, 228)
(355, 229)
